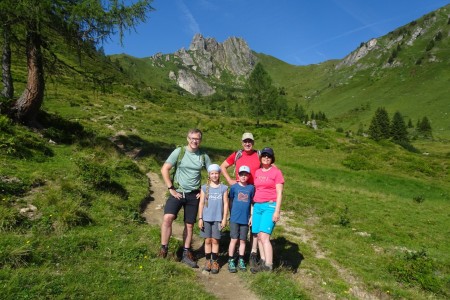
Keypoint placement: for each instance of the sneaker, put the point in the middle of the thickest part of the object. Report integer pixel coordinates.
(207, 266)
(241, 265)
(214, 267)
(162, 252)
(253, 260)
(188, 259)
(231, 266)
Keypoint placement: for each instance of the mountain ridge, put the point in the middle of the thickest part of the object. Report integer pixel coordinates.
(398, 69)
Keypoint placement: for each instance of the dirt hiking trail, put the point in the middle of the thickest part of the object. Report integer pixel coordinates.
(226, 285)
(223, 285)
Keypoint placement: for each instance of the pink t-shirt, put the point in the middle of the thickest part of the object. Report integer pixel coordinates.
(249, 160)
(265, 184)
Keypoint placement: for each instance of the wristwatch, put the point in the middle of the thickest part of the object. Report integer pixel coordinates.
(171, 187)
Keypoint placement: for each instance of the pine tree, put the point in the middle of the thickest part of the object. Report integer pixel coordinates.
(81, 22)
(263, 97)
(410, 124)
(379, 127)
(424, 127)
(398, 128)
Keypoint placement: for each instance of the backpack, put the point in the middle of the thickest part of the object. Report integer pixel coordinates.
(173, 171)
(239, 155)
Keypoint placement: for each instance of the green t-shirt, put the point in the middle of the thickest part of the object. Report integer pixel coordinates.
(188, 174)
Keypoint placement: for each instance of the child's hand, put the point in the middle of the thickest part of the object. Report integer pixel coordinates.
(223, 224)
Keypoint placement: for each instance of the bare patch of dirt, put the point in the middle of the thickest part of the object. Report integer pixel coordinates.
(223, 285)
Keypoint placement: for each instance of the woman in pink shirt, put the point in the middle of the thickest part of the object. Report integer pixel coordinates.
(269, 182)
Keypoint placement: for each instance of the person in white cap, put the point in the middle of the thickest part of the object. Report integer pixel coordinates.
(212, 216)
(241, 197)
(247, 156)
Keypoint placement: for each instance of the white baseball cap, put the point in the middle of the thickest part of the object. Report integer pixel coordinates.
(244, 169)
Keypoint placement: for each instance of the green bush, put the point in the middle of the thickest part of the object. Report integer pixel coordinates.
(357, 162)
(5, 124)
(344, 219)
(93, 172)
(12, 186)
(309, 140)
(415, 268)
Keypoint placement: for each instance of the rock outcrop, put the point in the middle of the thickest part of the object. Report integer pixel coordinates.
(356, 55)
(207, 60)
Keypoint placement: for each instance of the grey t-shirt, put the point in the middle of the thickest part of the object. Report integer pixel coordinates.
(188, 174)
(214, 210)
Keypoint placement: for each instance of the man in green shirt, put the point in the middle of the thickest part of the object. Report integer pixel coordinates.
(184, 191)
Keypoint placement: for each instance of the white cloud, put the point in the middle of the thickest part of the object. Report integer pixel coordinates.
(192, 24)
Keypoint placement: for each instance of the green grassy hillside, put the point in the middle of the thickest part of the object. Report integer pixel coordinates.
(416, 83)
(359, 215)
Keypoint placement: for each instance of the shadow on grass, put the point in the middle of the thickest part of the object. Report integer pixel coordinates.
(287, 254)
(140, 148)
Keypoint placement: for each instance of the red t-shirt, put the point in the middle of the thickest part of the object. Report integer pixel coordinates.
(265, 184)
(249, 160)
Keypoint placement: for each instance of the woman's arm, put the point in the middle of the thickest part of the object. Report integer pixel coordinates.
(276, 214)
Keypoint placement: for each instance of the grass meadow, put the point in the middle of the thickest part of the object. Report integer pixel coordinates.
(374, 210)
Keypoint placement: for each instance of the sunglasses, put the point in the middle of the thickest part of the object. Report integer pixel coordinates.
(266, 155)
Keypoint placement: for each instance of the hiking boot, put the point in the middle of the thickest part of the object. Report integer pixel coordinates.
(257, 268)
(188, 259)
(262, 267)
(241, 265)
(231, 266)
(214, 267)
(253, 260)
(207, 266)
(162, 252)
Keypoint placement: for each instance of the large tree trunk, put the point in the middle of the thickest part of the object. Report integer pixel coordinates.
(8, 87)
(27, 106)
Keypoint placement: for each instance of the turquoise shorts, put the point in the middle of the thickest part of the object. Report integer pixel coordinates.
(262, 217)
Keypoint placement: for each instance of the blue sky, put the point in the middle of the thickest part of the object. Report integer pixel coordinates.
(299, 32)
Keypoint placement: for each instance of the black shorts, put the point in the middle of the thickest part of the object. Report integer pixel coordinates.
(189, 203)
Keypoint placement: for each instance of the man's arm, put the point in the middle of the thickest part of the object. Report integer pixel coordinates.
(165, 172)
(223, 168)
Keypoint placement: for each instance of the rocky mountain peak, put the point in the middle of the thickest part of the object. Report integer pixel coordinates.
(207, 60)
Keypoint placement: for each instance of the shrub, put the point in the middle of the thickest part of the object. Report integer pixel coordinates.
(419, 198)
(308, 140)
(344, 219)
(357, 162)
(12, 186)
(5, 124)
(416, 268)
(94, 173)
